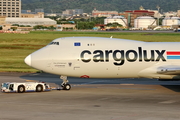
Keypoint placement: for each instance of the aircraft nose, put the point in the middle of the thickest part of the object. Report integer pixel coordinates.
(27, 60)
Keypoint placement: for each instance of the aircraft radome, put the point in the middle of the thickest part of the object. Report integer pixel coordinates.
(97, 57)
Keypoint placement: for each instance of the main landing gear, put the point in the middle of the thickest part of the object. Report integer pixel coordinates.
(65, 85)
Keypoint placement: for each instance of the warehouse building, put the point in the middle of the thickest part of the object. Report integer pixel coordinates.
(30, 21)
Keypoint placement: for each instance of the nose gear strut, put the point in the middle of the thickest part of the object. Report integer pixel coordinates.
(65, 85)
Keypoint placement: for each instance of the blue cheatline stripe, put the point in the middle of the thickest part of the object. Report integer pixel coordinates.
(173, 57)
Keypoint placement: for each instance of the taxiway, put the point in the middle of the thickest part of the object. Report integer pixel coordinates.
(92, 99)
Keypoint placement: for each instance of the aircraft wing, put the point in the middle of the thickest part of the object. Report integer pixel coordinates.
(161, 72)
(169, 70)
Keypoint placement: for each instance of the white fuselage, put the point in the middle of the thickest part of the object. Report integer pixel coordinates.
(96, 57)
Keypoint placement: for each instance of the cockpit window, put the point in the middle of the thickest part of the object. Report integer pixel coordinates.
(54, 43)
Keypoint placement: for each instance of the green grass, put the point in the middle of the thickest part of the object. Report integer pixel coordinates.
(15, 47)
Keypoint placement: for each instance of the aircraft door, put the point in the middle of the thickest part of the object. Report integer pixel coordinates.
(76, 60)
(49, 58)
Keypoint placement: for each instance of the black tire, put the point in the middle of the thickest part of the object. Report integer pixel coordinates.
(39, 88)
(21, 89)
(67, 87)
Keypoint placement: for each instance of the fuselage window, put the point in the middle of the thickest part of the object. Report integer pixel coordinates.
(54, 43)
(90, 44)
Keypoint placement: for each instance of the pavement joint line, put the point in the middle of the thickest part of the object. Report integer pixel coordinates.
(137, 88)
(30, 80)
(93, 82)
(127, 84)
(168, 102)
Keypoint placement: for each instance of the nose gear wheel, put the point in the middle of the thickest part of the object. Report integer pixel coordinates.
(65, 85)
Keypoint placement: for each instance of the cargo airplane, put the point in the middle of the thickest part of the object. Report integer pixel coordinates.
(98, 57)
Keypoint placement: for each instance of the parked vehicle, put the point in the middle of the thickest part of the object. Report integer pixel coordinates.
(177, 30)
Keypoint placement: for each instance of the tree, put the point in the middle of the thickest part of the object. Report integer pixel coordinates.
(160, 21)
(85, 25)
(15, 25)
(38, 27)
(115, 25)
(98, 20)
(22, 26)
(14, 28)
(57, 6)
(51, 28)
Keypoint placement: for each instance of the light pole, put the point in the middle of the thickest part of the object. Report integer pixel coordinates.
(158, 14)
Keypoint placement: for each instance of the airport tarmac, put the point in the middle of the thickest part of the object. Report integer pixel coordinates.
(92, 99)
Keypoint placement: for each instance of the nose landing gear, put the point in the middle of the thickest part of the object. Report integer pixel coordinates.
(65, 85)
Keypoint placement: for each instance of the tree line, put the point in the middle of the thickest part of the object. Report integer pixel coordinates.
(57, 6)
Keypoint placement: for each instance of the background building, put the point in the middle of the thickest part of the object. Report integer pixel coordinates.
(170, 14)
(39, 10)
(144, 22)
(71, 12)
(2, 20)
(156, 14)
(97, 13)
(133, 14)
(178, 13)
(171, 22)
(116, 19)
(39, 13)
(65, 27)
(10, 8)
